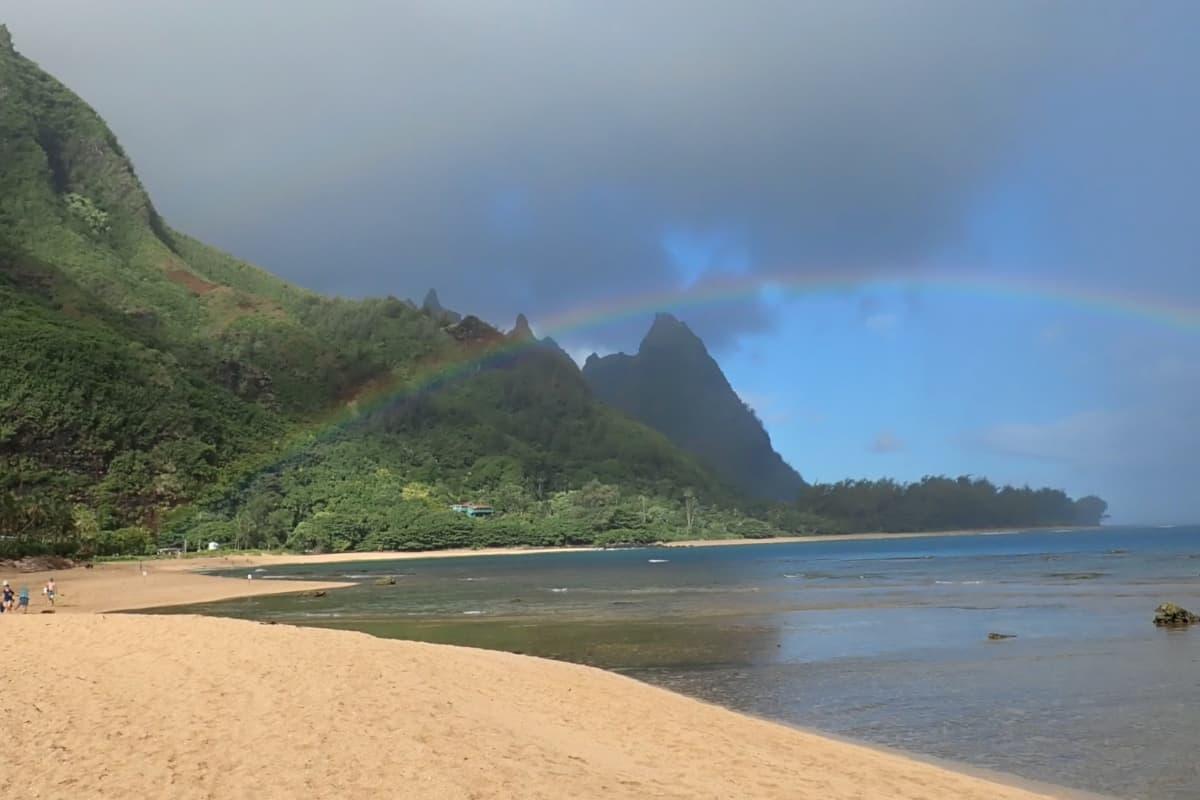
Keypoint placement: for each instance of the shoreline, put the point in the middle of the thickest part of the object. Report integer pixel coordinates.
(116, 586)
(100, 593)
(877, 536)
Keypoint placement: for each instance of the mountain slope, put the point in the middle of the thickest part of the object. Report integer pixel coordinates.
(674, 386)
(150, 381)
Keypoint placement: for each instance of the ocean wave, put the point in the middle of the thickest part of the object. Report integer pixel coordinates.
(472, 613)
(1075, 576)
(656, 561)
(693, 590)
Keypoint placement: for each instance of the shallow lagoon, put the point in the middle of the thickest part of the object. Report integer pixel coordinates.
(881, 640)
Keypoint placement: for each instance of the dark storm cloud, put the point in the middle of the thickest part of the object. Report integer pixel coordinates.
(532, 158)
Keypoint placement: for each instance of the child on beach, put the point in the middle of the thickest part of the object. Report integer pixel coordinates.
(23, 600)
(7, 598)
(50, 590)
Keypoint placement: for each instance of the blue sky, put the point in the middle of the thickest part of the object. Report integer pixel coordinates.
(549, 156)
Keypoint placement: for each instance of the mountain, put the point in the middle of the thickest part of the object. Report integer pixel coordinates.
(433, 307)
(155, 390)
(152, 387)
(675, 386)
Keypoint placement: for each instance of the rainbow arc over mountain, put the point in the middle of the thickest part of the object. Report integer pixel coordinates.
(1150, 311)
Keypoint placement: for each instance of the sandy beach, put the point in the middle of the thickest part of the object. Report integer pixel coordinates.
(108, 705)
(193, 707)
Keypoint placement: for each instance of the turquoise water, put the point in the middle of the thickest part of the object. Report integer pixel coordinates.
(882, 640)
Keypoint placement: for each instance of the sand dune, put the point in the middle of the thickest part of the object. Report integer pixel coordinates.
(193, 707)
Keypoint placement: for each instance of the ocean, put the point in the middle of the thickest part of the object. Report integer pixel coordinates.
(885, 640)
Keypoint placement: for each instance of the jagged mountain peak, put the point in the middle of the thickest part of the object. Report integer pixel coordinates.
(676, 387)
(521, 330)
(431, 302)
(432, 306)
(667, 332)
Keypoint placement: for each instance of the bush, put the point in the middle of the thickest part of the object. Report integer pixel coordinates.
(625, 537)
(125, 542)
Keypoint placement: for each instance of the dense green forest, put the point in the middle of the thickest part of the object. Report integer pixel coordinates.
(154, 390)
(940, 503)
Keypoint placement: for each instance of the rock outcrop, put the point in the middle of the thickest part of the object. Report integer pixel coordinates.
(521, 331)
(433, 307)
(1169, 615)
(474, 330)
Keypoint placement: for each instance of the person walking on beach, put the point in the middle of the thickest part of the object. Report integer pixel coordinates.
(23, 600)
(50, 590)
(7, 598)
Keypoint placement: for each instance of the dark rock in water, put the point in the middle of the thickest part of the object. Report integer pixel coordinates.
(388, 581)
(995, 637)
(316, 593)
(1169, 615)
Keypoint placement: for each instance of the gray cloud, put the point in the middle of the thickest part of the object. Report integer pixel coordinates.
(533, 160)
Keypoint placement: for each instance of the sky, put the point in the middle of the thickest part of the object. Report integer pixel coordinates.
(877, 180)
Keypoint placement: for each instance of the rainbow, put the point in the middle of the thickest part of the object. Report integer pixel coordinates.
(732, 288)
(740, 287)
